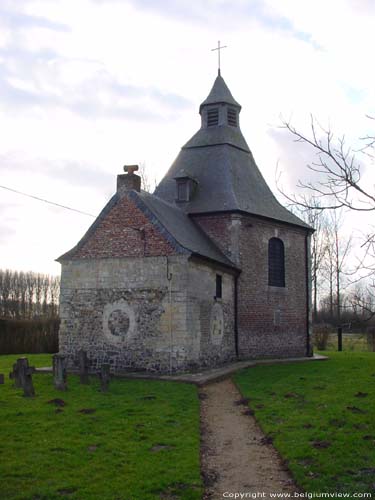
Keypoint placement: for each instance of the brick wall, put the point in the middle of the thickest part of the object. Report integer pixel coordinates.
(271, 320)
(125, 232)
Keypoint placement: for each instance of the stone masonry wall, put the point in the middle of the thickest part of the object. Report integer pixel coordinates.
(272, 321)
(210, 320)
(121, 311)
(127, 312)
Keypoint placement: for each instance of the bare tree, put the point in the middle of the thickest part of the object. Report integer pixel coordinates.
(339, 184)
(26, 295)
(317, 219)
(341, 249)
(147, 184)
(340, 181)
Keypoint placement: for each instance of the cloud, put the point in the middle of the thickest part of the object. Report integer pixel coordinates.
(44, 79)
(222, 13)
(6, 231)
(69, 171)
(15, 19)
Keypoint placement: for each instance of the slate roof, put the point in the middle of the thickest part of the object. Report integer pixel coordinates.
(173, 223)
(178, 224)
(228, 178)
(220, 93)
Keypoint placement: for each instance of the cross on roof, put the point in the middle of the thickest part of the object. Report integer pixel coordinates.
(219, 48)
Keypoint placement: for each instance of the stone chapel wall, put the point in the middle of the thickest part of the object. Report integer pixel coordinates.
(210, 319)
(122, 311)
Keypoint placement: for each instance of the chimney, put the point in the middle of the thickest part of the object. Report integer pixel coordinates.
(130, 180)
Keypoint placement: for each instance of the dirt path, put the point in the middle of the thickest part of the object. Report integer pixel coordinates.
(234, 457)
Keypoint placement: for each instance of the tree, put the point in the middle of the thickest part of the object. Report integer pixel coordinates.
(340, 181)
(317, 219)
(338, 249)
(339, 185)
(145, 178)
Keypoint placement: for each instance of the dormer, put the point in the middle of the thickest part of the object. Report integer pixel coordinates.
(185, 187)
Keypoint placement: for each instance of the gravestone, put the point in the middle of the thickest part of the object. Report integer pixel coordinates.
(1, 378)
(104, 377)
(22, 376)
(15, 376)
(27, 380)
(59, 372)
(83, 367)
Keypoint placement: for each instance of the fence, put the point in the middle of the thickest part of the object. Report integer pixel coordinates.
(29, 336)
(326, 338)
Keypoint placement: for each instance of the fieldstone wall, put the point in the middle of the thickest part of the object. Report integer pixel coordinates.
(119, 311)
(150, 313)
(211, 320)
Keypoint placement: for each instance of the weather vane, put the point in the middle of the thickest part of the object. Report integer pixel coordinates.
(219, 48)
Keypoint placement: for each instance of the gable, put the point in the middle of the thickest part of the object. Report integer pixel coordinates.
(122, 230)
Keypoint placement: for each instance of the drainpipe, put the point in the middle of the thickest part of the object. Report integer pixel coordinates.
(236, 314)
(308, 295)
(169, 278)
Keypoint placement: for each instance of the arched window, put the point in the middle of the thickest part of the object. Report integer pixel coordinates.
(276, 262)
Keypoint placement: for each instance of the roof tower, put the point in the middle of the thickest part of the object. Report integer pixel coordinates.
(219, 159)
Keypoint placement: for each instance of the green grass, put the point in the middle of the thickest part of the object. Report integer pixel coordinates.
(141, 443)
(350, 342)
(304, 407)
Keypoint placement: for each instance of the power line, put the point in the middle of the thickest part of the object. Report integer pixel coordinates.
(47, 201)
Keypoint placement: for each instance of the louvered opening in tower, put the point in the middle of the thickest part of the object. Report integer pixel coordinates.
(232, 117)
(212, 117)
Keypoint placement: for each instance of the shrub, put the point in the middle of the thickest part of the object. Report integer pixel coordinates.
(370, 332)
(321, 333)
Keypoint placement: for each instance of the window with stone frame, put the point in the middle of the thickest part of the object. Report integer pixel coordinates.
(276, 263)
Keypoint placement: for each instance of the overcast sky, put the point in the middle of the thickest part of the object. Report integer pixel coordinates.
(88, 86)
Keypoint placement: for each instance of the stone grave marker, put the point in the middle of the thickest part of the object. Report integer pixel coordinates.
(104, 377)
(22, 376)
(83, 367)
(25, 377)
(15, 376)
(1, 378)
(59, 372)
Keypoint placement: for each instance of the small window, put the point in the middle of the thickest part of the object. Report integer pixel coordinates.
(219, 286)
(276, 263)
(182, 191)
(232, 117)
(212, 117)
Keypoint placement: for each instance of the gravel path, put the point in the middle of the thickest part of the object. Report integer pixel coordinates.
(235, 455)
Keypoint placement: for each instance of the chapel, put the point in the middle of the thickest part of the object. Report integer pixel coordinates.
(208, 269)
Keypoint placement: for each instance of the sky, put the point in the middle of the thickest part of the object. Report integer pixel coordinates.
(88, 86)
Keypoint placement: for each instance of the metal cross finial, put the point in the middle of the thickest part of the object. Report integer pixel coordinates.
(219, 48)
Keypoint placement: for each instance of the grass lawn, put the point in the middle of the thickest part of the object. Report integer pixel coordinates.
(350, 342)
(140, 442)
(321, 417)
